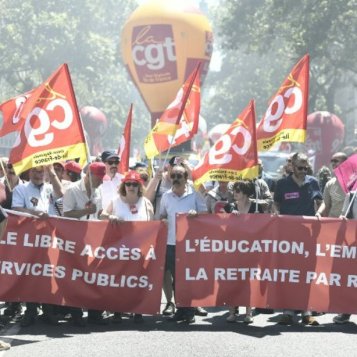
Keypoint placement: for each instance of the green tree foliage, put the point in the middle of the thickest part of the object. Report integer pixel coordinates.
(260, 41)
(38, 36)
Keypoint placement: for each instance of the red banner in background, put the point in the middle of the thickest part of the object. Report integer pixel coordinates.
(267, 261)
(85, 264)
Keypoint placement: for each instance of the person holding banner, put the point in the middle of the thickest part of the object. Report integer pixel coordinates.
(112, 178)
(3, 345)
(181, 198)
(243, 190)
(11, 180)
(38, 197)
(158, 185)
(333, 196)
(129, 205)
(297, 195)
(82, 200)
(349, 211)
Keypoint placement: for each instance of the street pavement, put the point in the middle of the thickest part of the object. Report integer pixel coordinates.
(208, 336)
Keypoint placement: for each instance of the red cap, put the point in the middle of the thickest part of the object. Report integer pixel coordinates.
(132, 176)
(73, 166)
(97, 169)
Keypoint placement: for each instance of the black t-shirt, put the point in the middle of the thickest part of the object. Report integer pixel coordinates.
(230, 207)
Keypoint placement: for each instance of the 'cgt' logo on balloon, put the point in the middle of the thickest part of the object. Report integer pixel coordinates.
(153, 51)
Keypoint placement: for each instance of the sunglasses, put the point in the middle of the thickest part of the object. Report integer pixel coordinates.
(134, 184)
(302, 168)
(113, 162)
(335, 161)
(178, 176)
(237, 190)
(9, 166)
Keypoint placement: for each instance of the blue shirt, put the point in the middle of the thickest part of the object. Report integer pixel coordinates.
(297, 200)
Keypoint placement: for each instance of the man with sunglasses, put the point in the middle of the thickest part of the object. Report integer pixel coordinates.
(112, 178)
(333, 196)
(297, 195)
(181, 198)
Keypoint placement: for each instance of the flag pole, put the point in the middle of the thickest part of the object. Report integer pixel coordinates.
(187, 94)
(81, 124)
(5, 174)
(350, 204)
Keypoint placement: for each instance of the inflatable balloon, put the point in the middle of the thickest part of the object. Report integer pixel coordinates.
(95, 124)
(162, 42)
(325, 136)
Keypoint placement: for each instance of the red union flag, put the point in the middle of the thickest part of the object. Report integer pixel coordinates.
(346, 174)
(48, 124)
(286, 116)
(234, 155)
(179, 122)
(124, 148)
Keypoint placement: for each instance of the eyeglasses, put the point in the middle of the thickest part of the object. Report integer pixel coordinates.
(302, 168)
(178, 176)
(114, 162)
(134, 184)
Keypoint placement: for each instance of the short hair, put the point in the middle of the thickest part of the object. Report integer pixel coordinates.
(299, 156)
(341, 155)
(245, 186)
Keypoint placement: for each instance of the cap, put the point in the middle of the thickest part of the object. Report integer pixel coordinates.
(109, 154)
(132, 176)
(138, 165)
(73, 166)
(97, 169)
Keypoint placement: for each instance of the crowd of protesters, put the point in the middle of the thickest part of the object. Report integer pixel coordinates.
(100, 192)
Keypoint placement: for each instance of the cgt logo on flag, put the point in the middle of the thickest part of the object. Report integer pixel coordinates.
(48, 124)
(286, 116)
(39, 124)
(234, 155)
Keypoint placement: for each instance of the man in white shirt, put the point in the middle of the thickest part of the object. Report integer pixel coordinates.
(82, 200)
(181, 198)
(38, 198)
(112, 179)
